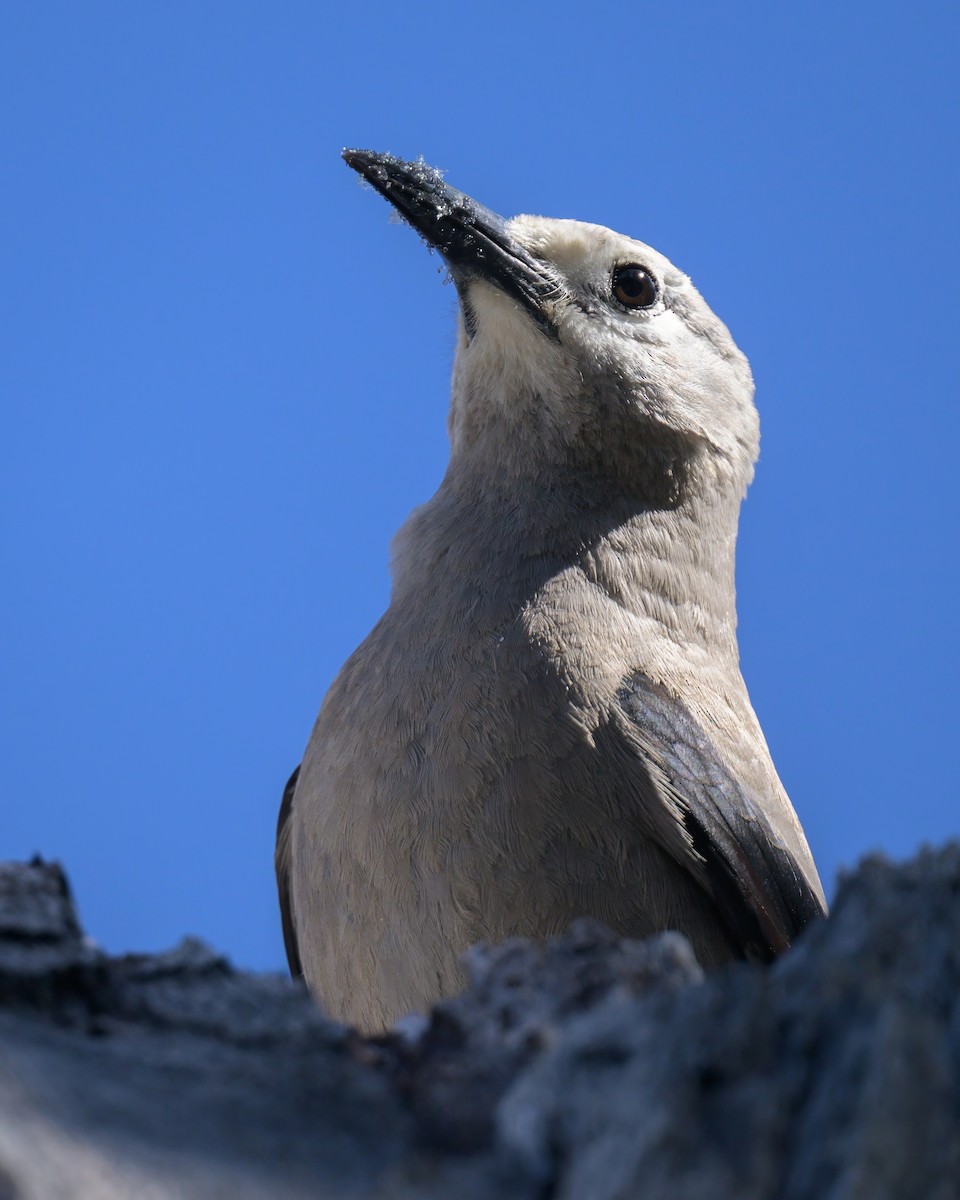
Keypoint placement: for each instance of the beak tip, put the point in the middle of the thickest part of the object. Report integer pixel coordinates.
(364, 162)
(385, 171)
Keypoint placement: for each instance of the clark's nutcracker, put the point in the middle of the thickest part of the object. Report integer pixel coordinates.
(549, 721)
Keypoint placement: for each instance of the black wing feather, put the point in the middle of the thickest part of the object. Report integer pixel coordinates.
(282, 865)
(760, 890)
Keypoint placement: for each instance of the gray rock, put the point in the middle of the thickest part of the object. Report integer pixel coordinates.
(593, 1067)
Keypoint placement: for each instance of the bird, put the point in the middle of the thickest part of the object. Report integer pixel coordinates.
(549, 721)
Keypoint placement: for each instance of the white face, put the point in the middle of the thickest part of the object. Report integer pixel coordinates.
(633, 336)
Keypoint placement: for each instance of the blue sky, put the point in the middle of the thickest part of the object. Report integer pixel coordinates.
(224, 376)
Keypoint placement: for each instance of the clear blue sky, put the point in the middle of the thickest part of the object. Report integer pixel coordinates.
(224, 376)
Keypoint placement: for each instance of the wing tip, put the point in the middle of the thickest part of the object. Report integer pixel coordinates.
(282, 867)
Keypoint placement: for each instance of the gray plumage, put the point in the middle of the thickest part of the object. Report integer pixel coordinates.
(549, 720)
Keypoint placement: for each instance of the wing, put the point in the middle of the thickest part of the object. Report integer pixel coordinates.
(716, 828)
(281, 861)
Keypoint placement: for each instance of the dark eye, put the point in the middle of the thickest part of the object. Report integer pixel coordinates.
(634, 287)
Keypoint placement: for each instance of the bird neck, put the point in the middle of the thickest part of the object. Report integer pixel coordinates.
(654, 532)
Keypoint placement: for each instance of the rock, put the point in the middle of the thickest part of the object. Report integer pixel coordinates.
(592, 1067)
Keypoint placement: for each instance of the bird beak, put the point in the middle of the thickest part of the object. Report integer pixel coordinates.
(475, 242)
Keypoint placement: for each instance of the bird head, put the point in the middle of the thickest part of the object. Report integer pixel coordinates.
(576, 343)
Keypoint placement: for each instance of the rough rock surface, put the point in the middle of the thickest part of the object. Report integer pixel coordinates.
(594, 1067)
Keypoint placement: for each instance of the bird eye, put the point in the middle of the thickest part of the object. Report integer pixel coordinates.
(634, 287)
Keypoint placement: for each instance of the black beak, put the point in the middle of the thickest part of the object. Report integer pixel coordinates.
(474, 241)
